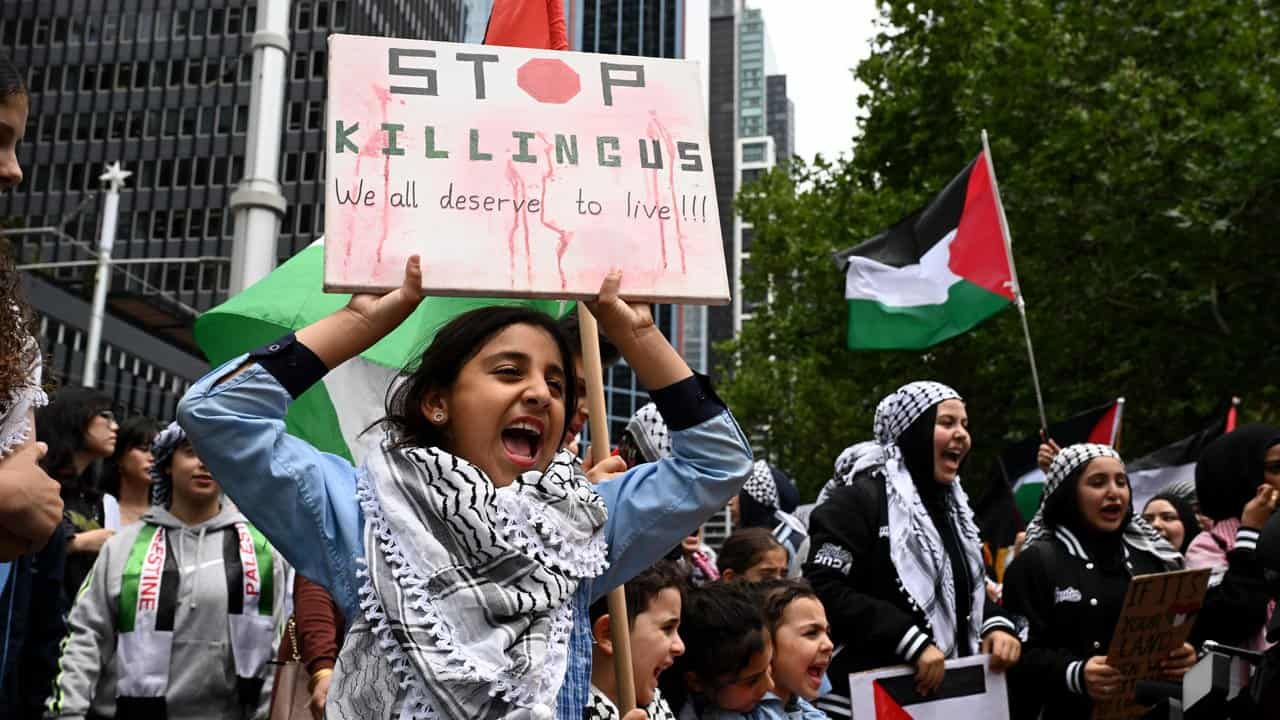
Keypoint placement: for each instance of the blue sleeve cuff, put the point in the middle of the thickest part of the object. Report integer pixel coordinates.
(687, 403)
(291, 363)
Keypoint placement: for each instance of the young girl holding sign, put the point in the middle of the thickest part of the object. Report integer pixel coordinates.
(465, 546)
(1069, 582)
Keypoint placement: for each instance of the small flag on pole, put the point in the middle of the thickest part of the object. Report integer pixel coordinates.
(935, 274)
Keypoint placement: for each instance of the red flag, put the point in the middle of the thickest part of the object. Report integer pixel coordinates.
(528, 23)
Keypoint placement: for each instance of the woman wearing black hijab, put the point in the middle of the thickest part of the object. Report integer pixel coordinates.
(1173, 517)
(1069, 582)
(1237, 481)
(895, 555)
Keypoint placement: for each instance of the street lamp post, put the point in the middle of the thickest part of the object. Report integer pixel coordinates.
(114, 178)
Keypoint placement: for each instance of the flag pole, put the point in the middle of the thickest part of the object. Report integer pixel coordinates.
(1115, 424)
(598, 417)
(1018, 302)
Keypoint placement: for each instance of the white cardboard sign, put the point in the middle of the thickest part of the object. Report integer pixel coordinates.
(518, 172)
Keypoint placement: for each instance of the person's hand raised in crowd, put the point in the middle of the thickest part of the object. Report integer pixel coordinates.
(1047, 452)
(1102, 681)
(1180, 660)
(1258, 510)
(598, 472)
(622, 322)
(1004, 649)
(384, 312)
(931, 666)
(30, 502)
(89, 541)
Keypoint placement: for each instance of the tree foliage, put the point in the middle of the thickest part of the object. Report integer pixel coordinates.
(1137, 146)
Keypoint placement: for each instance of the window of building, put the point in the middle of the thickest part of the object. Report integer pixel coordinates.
(195, 72)
(290, 172)
(245, 64)
(119, 125)
(159, 224)
(310, 166)
(66, 127)
(213, 222)
(237, 170)
(182, 172)
(48, 128)
(127, 29)
(299, 66)
(178, 223)
(153, 123)
(302, 15)
(322, 15)
(141, 74)
(242, 119)
(146, 177)
(199, 22)
(164, 172)
(318, 66)
(189, 116)
(137, 123)
(40, 37)
(176, 69)
(75, 177)
(219, 176)
(83, 126)
(235, 18)
(295, 115)
(89, 77)
(143, 32)
(110, 27)
(172, 121)
(38, 180)
(340, 15)
(163, 25)
(250, 19)
(305, 218)
(100, 121)
(217, 18)
(200, 175)
(58, 180)
(195, 222)
(315, 114)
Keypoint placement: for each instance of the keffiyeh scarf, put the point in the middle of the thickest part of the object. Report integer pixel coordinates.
(467, 588)
(650, 433)
(915, 547)
(162, 449)
(1138, 533)
(15, 427)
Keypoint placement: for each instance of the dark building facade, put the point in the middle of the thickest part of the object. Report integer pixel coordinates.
(780, 117)
(163, 87)
(722, 119)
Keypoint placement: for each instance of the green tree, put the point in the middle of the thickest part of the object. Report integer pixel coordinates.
(1137, 145)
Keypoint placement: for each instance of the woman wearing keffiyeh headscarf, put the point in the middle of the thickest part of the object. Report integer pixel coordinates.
(1069, 582)
(894, 551)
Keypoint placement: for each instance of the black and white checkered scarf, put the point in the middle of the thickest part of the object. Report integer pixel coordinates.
(915, 547)
(468, 588)
(1138, 533)
(163, 446)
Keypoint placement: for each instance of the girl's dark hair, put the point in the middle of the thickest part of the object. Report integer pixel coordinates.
(778, 594)
(61, 425)
(455, 344)
(643, 588)
(722, 627)
(136, 432)
(11, 82)
(745, 548)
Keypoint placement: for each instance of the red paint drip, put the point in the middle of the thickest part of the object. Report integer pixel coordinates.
(384, 97)
(656, 199)
(514, 179)
(671, 184)
(562, 245)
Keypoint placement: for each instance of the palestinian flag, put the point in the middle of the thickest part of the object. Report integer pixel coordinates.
(333, 414)
(1016, 465)
(936, 274)
(963, 693)
(1176, 463)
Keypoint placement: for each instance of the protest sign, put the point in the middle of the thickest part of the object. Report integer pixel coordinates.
(969, 690)
(1159, 612)
(517, 172)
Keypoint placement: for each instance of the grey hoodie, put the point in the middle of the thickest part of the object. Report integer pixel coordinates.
(202, 680)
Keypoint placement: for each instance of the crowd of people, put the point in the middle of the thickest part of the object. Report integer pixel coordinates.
(462, 569)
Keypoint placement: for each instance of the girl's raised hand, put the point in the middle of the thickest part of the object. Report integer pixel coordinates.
(384, 312)
(623, 323)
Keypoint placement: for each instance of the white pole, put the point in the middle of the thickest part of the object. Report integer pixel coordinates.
(257, 204)
(1018, 302)
(114, 177)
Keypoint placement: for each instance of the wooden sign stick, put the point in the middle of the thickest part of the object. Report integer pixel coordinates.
(598, 416)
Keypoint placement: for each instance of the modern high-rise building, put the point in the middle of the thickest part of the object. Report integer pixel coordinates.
(163, 87)
(752, 129)
(780, 120)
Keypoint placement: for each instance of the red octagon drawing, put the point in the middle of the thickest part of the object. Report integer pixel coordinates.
(548, 81)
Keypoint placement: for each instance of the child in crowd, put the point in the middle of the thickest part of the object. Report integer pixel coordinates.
(654, 599)
(726, 666)
(753, 555)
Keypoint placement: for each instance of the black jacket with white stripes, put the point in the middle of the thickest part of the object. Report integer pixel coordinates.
(1071, 605)
(874, 622)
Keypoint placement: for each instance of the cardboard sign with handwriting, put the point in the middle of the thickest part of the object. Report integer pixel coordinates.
(1159, 612)
(516, 172)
